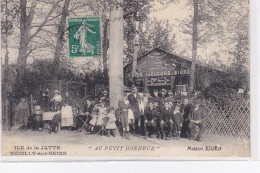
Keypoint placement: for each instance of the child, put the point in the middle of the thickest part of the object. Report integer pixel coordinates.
(149, 116)
(141, 109)
(102, 112)
(166, 120)
(111, 125)
(177, 118)
(55, 123)
(123, 108)
(94, 118)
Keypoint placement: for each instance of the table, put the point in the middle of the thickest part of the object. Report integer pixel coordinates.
(48, 116)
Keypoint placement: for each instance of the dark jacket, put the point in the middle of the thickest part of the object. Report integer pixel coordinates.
(170, 99)
(199, 114)
(157, 98)
(149, 114)
(88, 108)
(187, 111)
(156, 114)
(162, 100)
(166, 115)
(178, 118)
(134, 103)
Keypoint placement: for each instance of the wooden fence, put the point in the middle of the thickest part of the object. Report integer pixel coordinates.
(232, 119)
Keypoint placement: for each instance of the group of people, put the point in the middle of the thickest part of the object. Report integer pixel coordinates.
(160, 116)
(47, 103)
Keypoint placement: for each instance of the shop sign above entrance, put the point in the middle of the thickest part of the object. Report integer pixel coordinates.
(163, 73)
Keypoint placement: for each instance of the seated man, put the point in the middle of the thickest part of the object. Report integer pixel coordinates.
(149, 119)
(187, 110)
(197, 121)
(166, 120)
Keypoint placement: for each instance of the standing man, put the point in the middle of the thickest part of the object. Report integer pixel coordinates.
(156, 96)
(163, 97)
(45, 100)
(88, 107)
(134, 99)
(197, 121)
(170, 99)
(147, 98)
(187, 110)
(23, 113)
(56, 100)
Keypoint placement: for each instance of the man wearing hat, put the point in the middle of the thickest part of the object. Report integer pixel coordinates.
(170, 98)
(104, 97)
(45, 100)
(166, 121)
(156, 118)
(156, 96)
(56, 100)
(187, 110)
(134, 98)
(147, 98)
(150, 114)
(197, 121)
(163, 98)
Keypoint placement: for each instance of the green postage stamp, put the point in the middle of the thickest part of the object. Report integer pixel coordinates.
(84, 37)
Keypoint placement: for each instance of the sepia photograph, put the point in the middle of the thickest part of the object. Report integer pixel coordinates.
(125, 79)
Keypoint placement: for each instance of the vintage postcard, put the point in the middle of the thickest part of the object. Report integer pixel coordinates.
(124, 79)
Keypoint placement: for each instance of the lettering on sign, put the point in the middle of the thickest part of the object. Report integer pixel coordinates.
(159, 80)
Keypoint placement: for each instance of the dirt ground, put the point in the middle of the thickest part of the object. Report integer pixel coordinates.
(80, 144)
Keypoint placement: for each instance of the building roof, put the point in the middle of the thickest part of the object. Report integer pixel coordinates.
(181, 58)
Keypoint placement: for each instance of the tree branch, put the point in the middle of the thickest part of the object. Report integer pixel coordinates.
(45, 21)
(31, 12)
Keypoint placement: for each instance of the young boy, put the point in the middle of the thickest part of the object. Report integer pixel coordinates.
(102, 112)
(177, 119)
(122, 110)
(149, 116)
(156, 118)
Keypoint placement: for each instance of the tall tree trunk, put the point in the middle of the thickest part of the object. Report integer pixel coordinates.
(61, 30)
(6, 43)
(194, 44)
(105, 45)
(25, 31)
(6, 117)
(25, 27)
(116, 54)
(134, 63)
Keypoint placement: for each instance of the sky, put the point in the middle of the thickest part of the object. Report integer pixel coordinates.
(174, 12)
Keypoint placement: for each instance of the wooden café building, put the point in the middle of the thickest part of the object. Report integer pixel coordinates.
(159, 69)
